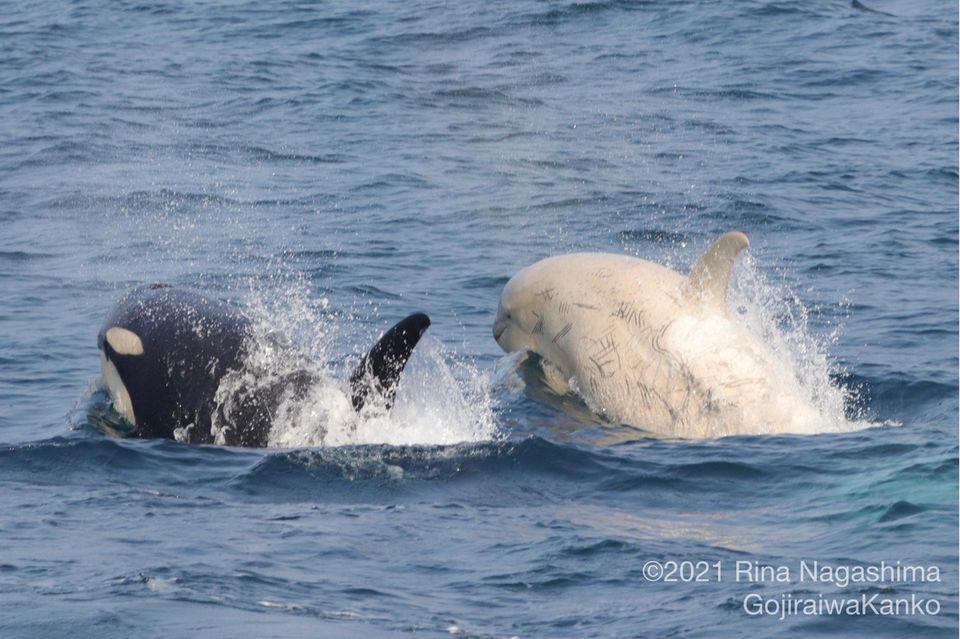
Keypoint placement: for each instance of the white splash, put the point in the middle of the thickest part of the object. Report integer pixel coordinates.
(440, 399)
(432, 406)
(777, 317)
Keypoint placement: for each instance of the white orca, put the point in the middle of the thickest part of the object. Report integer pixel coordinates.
(165, 351)
(647, 347)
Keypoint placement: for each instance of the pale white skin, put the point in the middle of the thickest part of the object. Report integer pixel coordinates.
(648, 347)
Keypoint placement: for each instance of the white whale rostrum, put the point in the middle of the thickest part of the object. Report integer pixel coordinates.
(648, 347)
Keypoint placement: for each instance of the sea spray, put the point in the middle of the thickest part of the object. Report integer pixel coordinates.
(441, 399)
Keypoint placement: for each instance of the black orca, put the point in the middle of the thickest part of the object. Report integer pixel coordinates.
(164, 352)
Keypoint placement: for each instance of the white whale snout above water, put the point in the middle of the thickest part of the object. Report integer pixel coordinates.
(648, 347)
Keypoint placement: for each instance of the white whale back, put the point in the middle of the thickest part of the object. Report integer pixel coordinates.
(649, 347)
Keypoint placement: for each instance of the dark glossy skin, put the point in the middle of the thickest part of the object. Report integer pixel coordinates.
(190, 342)
(385, 361)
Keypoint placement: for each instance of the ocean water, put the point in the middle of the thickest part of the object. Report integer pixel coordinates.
(333, 167)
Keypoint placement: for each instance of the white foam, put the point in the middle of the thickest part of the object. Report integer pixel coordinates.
(432, 406)
(440, 400)
(781, 321)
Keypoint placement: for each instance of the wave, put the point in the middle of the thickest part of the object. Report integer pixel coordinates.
(507, 471)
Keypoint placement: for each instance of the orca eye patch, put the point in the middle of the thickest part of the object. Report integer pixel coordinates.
(124, 342)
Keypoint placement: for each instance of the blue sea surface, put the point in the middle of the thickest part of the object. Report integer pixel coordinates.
(335, 166)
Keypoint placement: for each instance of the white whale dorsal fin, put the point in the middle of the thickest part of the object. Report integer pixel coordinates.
(710, 276)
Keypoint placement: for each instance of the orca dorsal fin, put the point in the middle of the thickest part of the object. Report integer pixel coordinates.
(379, 370)
(710, 276)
